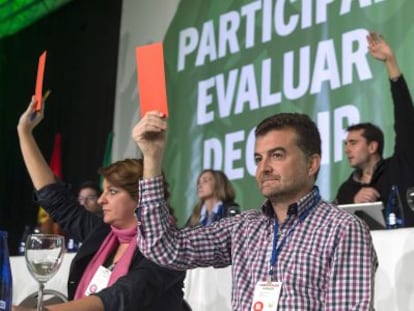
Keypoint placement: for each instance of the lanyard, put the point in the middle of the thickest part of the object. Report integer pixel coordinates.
(276, 250)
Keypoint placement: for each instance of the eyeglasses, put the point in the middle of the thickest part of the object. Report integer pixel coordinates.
(87, 198)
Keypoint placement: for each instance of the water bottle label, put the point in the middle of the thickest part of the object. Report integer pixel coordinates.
(392, 220)
(2, 305)
(71, 244)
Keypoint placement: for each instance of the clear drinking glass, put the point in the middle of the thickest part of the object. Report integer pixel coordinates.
(44, 254)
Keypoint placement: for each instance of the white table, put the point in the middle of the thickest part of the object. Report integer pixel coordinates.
(210, 289)
(394, 282)
(24, 284)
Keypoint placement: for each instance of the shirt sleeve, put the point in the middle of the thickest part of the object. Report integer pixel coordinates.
(161, 241)
(64, 209)
(351, 281)
(403, 119)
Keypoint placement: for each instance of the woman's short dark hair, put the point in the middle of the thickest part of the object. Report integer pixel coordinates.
(91, 185)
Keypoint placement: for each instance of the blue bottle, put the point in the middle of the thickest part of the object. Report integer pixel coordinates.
(6, 281)
(394, 213)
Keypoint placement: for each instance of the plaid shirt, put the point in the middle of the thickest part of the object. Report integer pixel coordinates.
(327, 263)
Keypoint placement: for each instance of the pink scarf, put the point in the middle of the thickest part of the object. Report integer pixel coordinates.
(108, 246)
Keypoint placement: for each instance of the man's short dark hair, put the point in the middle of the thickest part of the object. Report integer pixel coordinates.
(371, 133)
(308, 138)
(90, 184)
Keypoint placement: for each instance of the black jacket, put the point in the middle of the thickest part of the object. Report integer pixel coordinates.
(147, 286)
(397, 169)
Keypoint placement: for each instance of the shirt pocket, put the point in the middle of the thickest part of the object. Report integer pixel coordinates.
(304, 271)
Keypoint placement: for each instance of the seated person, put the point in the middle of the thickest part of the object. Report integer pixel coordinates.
(315, 255)
(374, 176)
(216, 199)
(109, 242)
(88, 195)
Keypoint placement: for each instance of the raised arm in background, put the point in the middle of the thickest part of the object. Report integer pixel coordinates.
(380, 50)
(36, 165)
(42, 175)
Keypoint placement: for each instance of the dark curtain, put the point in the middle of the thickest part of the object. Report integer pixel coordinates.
(82, 43)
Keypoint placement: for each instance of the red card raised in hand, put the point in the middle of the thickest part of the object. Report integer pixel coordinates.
(151, 78)
(39, 81)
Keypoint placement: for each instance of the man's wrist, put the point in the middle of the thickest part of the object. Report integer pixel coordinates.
(151, 171)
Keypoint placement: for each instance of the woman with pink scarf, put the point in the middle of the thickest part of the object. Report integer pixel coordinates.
(109, 254)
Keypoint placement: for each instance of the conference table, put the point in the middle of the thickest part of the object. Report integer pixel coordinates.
(210, 288)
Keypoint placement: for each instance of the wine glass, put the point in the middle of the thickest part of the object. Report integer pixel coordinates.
(44, 254)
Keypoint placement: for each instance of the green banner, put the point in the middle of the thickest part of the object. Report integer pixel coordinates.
(232, 63)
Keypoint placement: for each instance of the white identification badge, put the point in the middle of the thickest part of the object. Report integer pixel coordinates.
(266, 296)
(99, 281)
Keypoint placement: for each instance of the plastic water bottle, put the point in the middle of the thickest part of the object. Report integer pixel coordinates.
(72, 246)
(6, 281)
(22, 245)
(394, 213)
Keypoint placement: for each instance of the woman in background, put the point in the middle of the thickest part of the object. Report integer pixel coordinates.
(216, 199)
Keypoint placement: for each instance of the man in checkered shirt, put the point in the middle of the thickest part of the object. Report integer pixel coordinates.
(321, 257)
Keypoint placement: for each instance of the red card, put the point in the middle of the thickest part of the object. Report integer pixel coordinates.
(39, 81)
(151, 78)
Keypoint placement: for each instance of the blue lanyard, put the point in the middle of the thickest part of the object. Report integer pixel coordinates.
(276, 250)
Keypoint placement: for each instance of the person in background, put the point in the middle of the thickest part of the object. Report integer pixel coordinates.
(374, 176)
(216, 199)
(298, 250)
(108, 272)
(88, 195)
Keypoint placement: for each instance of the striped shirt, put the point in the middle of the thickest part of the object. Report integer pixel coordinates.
(328, 262)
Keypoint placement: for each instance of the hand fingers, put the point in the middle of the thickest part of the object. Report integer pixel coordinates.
(31, 112)
(374, 38)
(371, 194)
(154, 120)
(31, 106)
(151, 125)
(367, 194)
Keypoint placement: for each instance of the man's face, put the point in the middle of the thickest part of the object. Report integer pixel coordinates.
(283, 172)
(357, 149)
(88, 198)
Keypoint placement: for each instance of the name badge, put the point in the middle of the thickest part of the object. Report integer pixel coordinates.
(99, 281)
(266, 296)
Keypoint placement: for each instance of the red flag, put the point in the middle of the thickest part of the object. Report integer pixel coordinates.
(44, 221)
(56, 158)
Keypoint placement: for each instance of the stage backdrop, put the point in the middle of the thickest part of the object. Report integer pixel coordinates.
(232, 63)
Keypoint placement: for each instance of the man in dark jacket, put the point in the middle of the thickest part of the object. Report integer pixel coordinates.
(374, 176)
